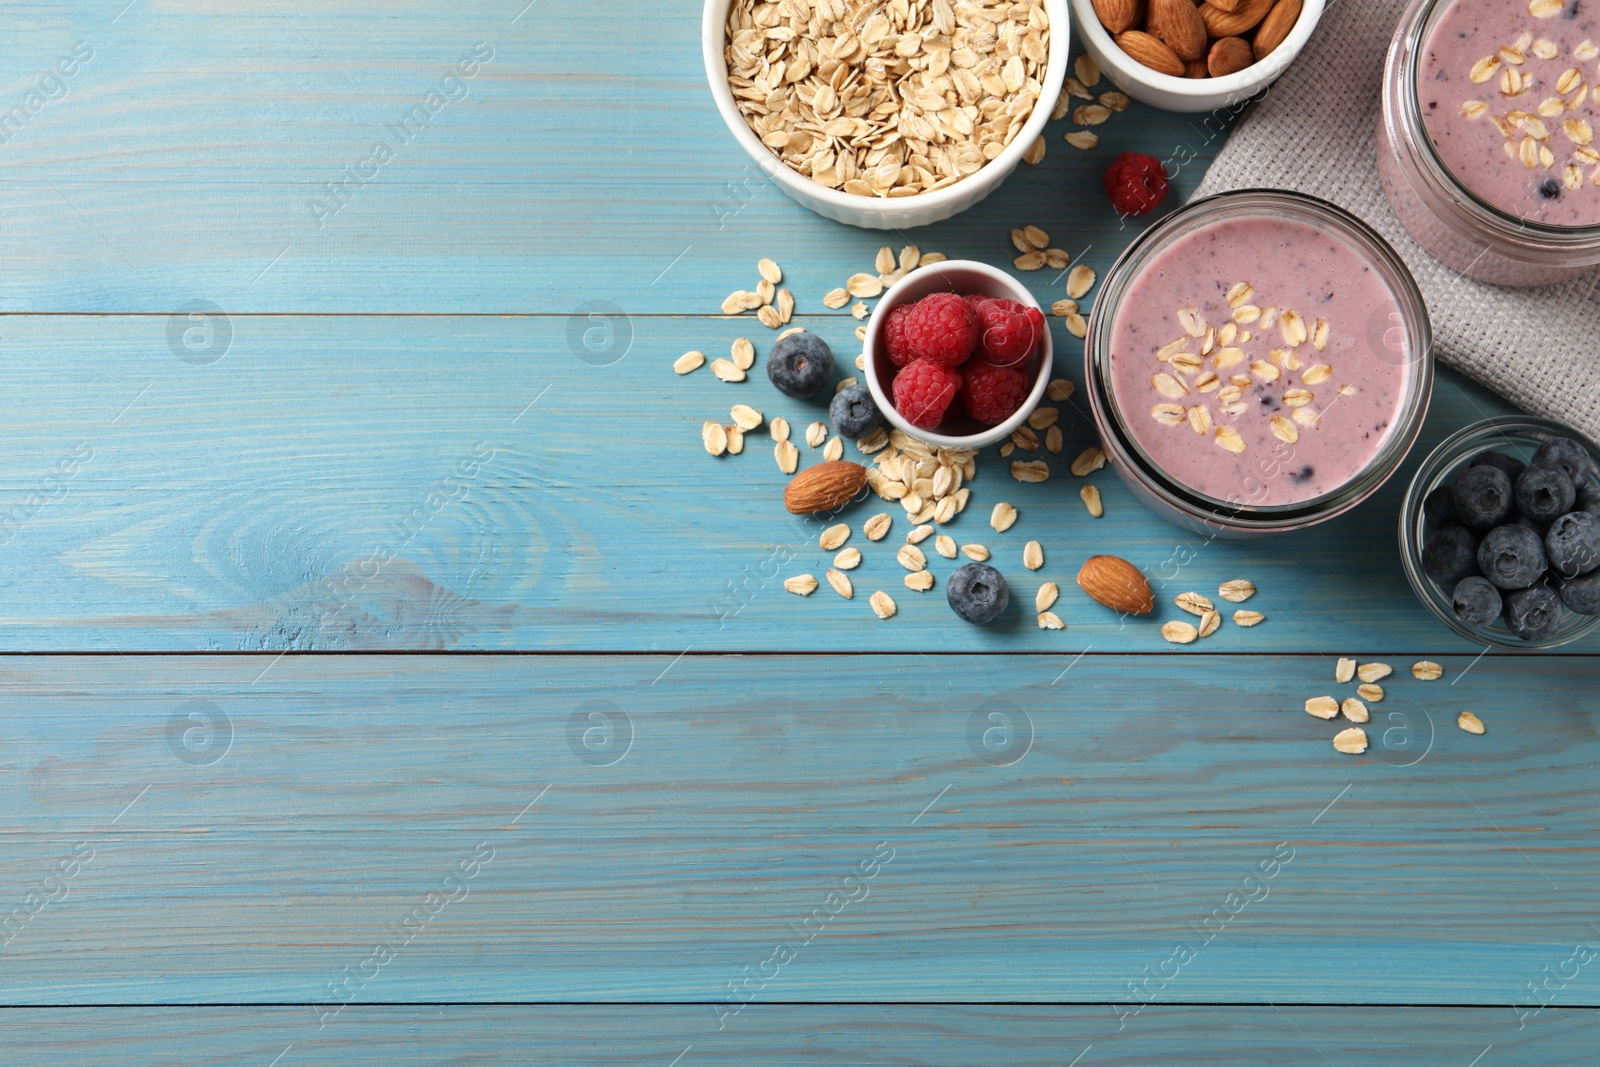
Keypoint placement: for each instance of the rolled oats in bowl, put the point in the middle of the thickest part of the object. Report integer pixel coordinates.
(886, 99)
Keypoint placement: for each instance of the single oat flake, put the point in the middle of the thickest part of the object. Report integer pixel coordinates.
(689, 361)
(1179, 633)
(1426, 671)
(1352, 742)
(1209, 623)
(1374, 672)
(1354, 710)
(1046, 596)
(1236, 591)
(1049, 620)
(834, 536)
(877, 527)
(919, 581)
(1003, 517)
(848, 560)
(883, 604)
(1248, 618)
(945, 545)
(1469, 722)
(1090, 495)
(1322, 707)
(977, 552)
(1193, 603)
(801, 584)
(841, 584)
(1370, 692)
(1344, 670)
(1032, 555)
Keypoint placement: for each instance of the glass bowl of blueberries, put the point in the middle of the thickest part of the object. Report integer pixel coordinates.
(1500, 533)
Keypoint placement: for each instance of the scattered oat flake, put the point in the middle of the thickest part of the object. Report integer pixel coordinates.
(1047, 595)
(1354, 710)
(1090, 114)
(1352, 742)
(1085, 140)
(1030, 470)
(1062, 308)
(735, 440)
(727, 371)
(836, 299)
(1077, 326)
(801, 584)
(841, 584)
(977, 552)
(918, 534)
(769, 317)
(1209, 623)
(1193, 603)
(1370, 692)
(1248, 618)
(1115, 101)
(1060, 389)
(743, 353)
(945, 545)
(746, 417)
(1035, 238)
(864, 285)
(1469, 722)
(878, 526)
(834, 536)
(1089, 460)
(1179, 633)
(1344, 670)
(920, 581)
(1086, 70)
(779, 428)
(882, 604)
(1237, 591)
(1374, 672)
(1322, 707)
(1080, 280)
(911, 558)
(1052, 440)
(1033, 555)
(1003, 517)
(714, 437)
(1090, 495)
(1544, 9)
(733, 303)
(689, 361)
(1426, 671)
(884, 262)
(1029, 261)
(787, 455)
(1049, 620)
(833, 450)
(860, 311)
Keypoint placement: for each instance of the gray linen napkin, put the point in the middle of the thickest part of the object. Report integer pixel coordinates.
(1314, 132)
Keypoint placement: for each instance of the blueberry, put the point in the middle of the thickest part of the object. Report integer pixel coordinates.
(1450, 554)
(1582, 594)
(1544, 492)
(1589, 499)
(800, 365)
(853, 412)
(1439, 507)
(1512, 557)
(1476, 600)
(1483, 497)
(1550, 189)
(977, 592)
(1573, 544)
(1511, 466)
(1533, 613)
(1567, 454)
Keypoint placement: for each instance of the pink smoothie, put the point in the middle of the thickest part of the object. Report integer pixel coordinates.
(1506, 100)
(1259, 361)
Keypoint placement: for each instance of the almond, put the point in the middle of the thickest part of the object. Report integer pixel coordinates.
(1196, 68)
(1178, 23)
(1119, 15)
(1276, 26)
(1229, 56)
(1117, 584)
(1143, 48)
(1226, 5)
(824, 487)
(1244, 16)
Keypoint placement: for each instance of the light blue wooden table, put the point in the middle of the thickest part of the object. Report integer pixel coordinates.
(390, 677)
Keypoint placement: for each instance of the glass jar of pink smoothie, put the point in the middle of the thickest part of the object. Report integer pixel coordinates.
(1258, 362)
(1486, 143)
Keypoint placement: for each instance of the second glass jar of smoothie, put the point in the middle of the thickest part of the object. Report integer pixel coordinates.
(1486, 142)
(1258, 362)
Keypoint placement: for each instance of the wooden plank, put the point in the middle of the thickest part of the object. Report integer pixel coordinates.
(348, 483)
(554, 828)
(222, 152)
(871, 1036)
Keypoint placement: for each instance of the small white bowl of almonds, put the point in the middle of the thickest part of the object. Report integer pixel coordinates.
(887, 115)
(1180, 55)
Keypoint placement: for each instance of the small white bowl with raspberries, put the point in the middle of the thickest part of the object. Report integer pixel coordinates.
(958, 354)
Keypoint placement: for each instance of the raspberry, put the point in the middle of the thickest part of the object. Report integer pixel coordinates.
(1009, 332)
(1136, 184)
(894, 335)
(942, 327)
(923, 392)
(993, 394)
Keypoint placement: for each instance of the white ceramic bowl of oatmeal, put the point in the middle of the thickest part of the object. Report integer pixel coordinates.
(888, 212)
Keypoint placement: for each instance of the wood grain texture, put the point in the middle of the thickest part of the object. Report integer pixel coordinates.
(384, 483)
(654, 828)
(782, 1035)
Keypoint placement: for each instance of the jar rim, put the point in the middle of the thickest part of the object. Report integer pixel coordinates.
(1403, 59)
(1279, 204)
